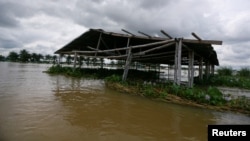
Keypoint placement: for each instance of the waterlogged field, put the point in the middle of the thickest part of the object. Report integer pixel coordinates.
(38, 106)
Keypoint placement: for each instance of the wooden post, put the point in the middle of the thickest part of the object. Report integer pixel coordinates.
(127, 65)
(128, 45)
(80, 61)
(207, 70)
(177, 71)
(168, 71)
(191, 69)
(98, 44)
(75, 56)
(212, 69)
(128, 60)
(201, 69)
(59, 59)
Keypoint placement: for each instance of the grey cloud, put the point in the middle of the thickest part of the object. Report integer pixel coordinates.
(8, 44)
(210, 19)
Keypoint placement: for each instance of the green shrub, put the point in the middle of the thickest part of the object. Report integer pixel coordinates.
(174, 89)
(55, 69)
(244, 72)
(225, 71)
(216, 97)
(113, 78)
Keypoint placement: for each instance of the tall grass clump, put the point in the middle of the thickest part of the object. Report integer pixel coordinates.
(225, 71)
(55, 69)
(244, 72)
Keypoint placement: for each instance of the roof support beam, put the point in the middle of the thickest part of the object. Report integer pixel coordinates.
(126, 48)
(166, 34)
(99, 41)
(144, 34)
(156, 48)
(215, 42)
(196, 36)
(128, 32)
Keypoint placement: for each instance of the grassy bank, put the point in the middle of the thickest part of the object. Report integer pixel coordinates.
(139, 83)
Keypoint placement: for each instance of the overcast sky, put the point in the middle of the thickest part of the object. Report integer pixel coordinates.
(43, 26)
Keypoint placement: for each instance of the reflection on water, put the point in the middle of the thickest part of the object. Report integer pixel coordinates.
(38, 106)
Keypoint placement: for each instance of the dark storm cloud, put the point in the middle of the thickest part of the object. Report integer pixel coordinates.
(8, 44)
(53, 23)
(7, 17)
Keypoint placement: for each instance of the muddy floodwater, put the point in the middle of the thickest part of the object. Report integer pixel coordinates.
(36, 106)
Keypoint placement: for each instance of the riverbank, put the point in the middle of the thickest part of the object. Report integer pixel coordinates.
(234, 105)
(200, 96)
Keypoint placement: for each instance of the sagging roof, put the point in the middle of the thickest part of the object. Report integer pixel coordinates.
(101, 44)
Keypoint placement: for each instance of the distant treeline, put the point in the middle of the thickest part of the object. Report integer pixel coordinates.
(24, 56)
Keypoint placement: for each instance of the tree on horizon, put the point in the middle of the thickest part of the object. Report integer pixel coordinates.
(13, 56)
(24, 56)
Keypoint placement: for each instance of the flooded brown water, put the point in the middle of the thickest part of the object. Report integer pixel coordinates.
(36, 106)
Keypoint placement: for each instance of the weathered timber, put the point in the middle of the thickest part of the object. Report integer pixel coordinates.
(156, 48)
(144, 34)
(177, 71)
(212, 69)
(128, 42)
(201, 69)
(125, 48)
(128, 32)
(191, 69)
(127, 65)
(75, 56)
(99, 41)
(215, 42)
(207, 70)
(166, 34)
(139, 55)
(196, 36)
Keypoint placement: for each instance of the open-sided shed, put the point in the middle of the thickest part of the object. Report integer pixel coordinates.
(146, 49)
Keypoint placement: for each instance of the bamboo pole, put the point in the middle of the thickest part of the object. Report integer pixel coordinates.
(201, 69)
(127, 65)
(99, 41)
(156, 48)
(144, 34)
(207, 69)
(191, 69)
(212, 69)
(177, 72)
(126, 48)
(75, 60)
(166, 34)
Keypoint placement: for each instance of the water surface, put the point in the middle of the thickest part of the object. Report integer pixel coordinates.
(36, 106)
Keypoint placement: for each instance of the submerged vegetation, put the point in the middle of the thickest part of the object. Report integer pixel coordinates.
(200, 95)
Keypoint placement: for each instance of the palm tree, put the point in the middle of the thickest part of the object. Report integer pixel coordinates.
(34, 57)
(68, 59)
(24, 56)
(48, 58)
(13, 56)
(54, 59)
(2, 58)
(40, 57)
